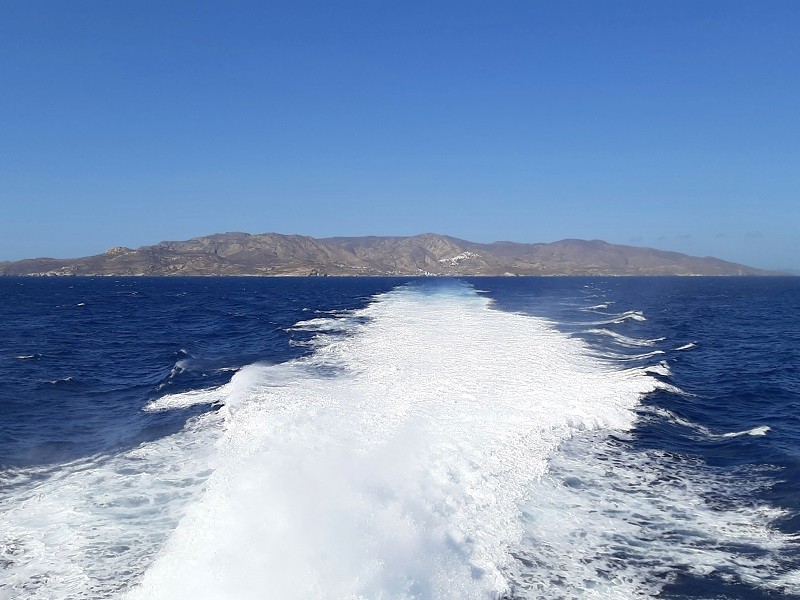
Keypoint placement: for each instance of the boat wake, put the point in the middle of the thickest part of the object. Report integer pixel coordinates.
(394, 461)
(429, 446)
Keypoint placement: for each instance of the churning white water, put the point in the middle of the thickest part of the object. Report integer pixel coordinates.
(395, 461)
(430, 447)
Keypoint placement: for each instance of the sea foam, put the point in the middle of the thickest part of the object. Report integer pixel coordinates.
(428, 447)
(396, 460)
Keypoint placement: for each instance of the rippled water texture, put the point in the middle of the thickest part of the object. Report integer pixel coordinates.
(380, 438)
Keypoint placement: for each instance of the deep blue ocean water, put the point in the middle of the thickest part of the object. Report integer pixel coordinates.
(80, 357)
(400, 438)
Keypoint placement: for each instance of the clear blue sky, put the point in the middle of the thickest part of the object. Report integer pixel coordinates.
(673, 124)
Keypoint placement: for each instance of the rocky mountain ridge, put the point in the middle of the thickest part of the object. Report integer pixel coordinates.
(273, 254)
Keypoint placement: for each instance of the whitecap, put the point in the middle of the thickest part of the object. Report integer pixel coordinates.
(755, 431)
(688, 346)
(673, 417)
(602, 306)
(661, 368)
(624, 340)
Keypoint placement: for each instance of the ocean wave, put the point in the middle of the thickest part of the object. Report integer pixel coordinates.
(402, 476)
(187, 399)
(625, 340)
(90, 528)
(601, 306)
(755, 431)
(613, 523)
(430, 447)
(618, 319)
(673, 417)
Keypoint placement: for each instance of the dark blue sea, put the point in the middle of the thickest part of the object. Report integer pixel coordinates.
(384, 438)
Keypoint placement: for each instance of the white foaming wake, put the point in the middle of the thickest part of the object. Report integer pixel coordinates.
(615, 524)
(90, 528)
(87, 529)
(393, 462)
(429, 448)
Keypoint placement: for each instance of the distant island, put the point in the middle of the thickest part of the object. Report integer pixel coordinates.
(273, 254)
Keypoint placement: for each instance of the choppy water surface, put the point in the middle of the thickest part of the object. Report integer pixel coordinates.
(387, 438)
